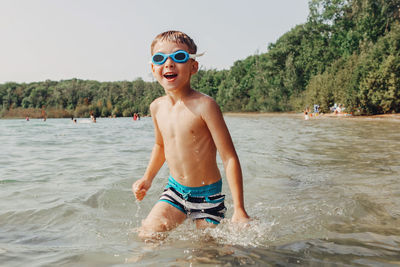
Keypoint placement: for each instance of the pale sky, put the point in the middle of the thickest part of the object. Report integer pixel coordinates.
(109, 40)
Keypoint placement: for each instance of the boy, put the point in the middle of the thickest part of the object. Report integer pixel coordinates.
(189, 129)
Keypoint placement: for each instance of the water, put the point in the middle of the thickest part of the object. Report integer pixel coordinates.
(321, 192)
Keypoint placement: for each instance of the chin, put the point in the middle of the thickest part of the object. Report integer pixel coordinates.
(171, 84)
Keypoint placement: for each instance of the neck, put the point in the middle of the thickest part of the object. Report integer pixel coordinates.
(179, 94)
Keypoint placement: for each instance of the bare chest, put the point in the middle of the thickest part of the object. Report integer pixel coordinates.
(180, 123)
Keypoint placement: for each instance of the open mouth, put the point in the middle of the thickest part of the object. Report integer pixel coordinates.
(170, 76)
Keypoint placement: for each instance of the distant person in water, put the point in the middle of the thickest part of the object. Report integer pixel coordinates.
(189, 130)
(93, 118)
(135, 116)
(316, 110)
(306, 117)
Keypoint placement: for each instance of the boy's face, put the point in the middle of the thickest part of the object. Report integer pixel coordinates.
(172, 75)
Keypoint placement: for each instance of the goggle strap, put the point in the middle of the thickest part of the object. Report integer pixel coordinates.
(196, 55)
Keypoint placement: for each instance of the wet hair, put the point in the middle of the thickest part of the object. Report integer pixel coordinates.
(176, 37)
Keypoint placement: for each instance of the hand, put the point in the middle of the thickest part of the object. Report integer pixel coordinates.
(140, 187)
(240, 216)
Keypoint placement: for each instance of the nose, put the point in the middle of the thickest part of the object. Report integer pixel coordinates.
(169, 62)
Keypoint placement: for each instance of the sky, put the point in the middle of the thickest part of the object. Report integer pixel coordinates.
(109, 40)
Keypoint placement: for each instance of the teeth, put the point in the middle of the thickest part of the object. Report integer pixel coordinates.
(170, 75)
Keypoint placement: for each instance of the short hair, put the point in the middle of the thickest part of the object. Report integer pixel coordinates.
(177, 37)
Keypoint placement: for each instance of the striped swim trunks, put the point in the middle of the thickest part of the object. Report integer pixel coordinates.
(204, 202)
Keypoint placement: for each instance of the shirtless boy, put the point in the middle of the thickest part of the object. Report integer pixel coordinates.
(189, 130)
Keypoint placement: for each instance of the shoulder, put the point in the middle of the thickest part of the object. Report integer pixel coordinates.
(204, 100)
(207, 106)
(154, 106)
(210, 103)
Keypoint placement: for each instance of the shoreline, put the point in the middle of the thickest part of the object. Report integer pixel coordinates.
(395, 116)
(262, 114)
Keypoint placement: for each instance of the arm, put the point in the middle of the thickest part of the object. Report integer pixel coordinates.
(223, 141)
(157, 159)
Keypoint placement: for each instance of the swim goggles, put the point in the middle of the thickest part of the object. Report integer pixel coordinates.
(180, 56)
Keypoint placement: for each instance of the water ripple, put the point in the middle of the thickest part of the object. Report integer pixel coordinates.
(319, 191)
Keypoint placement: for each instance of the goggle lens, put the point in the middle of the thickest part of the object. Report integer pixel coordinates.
(158, 58)
(180, 56)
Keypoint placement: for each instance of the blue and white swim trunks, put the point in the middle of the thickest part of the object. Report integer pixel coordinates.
(204, 202)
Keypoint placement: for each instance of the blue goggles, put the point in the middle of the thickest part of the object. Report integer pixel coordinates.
(180, 56)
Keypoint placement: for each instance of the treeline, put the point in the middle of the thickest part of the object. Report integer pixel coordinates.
(364, 74)
(78, 98)
(347, 52)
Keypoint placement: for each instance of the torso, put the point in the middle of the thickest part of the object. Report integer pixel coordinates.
(188, 145)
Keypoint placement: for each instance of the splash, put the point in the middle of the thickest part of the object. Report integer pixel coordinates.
(256, 233)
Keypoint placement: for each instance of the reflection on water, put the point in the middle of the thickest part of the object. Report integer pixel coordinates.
(321, 192)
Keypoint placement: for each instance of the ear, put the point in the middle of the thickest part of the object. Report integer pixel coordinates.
(152, 68)
(195, 67)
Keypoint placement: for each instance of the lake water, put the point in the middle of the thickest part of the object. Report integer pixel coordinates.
(321, 192)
